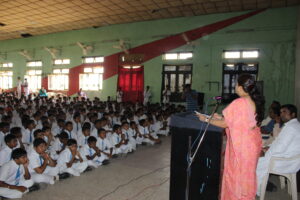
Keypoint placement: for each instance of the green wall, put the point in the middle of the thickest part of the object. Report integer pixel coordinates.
(273, 32)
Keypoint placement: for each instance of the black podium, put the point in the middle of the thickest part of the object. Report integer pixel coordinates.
(205, 171)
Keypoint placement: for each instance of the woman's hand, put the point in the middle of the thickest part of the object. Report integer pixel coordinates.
(217, 116)
(201, 117)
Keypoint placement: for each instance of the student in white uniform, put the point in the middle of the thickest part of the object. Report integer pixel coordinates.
(76, 124)
(27, 137)
(119, 142)
(16, 131)
(5, 153)
(286, 145)
(159, 127)
(56, 130)
(104, 144)
(147, 95)
(70, 130)
(41, 166)
(14, 176)
(135, 131)
(129, 134)
(143, 129)
(83, 138)
(59, 145)
(4, 129)
(70, 160)
(97, 126)
(92, 154)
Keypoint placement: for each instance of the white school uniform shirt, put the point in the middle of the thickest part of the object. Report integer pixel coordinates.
(2, 143)
(86, 151)
(35, 160)
(82, 140)
(38, 123)
(27, 137)
(143, 130)
(71, 134)
(285, 145)
(64, 157)
(76, 127)
(116, 120)
(103, 144)
(94, 132)
(5, 155)
(147, 95)
(10, 173)
(56, 130)
(128, 133)
(115, 139)
(56, 146)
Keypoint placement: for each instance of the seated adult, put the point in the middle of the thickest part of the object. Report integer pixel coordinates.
(43, 92)
(285, 145)
(268, 124)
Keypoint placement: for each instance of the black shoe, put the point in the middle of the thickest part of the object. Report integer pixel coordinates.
(105, 162)
(115, 156)
(271, 187)
(144, 143)
(88, 169)
(63, 176)
(35, 187)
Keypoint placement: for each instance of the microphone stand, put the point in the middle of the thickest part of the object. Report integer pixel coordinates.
(191, 156)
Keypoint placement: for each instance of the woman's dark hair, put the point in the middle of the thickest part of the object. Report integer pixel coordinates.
(248, 84)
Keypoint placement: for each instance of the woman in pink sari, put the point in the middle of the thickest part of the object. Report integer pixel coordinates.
(241, 120)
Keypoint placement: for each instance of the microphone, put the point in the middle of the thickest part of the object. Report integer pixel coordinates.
(217, 98)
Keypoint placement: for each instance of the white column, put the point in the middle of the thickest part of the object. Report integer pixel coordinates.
(297, 67)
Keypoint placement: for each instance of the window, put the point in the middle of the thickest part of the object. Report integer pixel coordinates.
(36, 63)
(178, 56)
(230, 75)
(93, 59)
(59, 80)
(34, 79)
(61, 61)
(92, 78)
(242, 54)
(6, 79)
(176, 76)
(7, 64)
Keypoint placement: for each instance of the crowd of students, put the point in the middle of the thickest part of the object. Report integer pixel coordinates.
(43, 140)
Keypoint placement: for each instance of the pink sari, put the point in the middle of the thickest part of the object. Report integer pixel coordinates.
(242, 152)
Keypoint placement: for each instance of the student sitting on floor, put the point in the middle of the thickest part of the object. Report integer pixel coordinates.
(14, 175)
(4, 130)
(70, 160)
(5, 153)
(59, 145)
(135, 131)
(143, 129)
(129, 135)
(27, 137)
(118, 140)
(104, 144)
(41, 166)
(16, 131)
(92, 154)
(83, 138)
(69, 129)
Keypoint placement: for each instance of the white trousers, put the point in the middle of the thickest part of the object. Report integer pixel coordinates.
(97, 161)
(261, 171)
(15, 194)
(47, 176)
(75, 169)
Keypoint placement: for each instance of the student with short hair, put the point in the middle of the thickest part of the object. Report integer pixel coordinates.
(14, 175)
(5, 153)
(104, 144)
(69, 130)
(129, 135)
(121, 144)
(56, 130)
(92, 154)
(70, 160)
(135, 131)
(41, 166)
(17, 131)
(27, 137)
(4, 129)
(59, 145)
(83, 138)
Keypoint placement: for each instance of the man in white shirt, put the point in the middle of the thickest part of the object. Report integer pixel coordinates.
(14, 175)
(19, 87)
(147, 95)
(166, 95)
(41, 166)
(26, 88)
(285, 145)
(119, 95)
(5, 153)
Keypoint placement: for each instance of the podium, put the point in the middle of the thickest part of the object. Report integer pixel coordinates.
(205, 170)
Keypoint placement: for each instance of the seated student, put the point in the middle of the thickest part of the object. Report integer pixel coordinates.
(160, 126)
(135, 131)
(70, 160)
(285, 145)
(76, 123)
(56, 130)
(129, 134)
(14, 175)
(48, 137)
(119, 142)
(97, 126)
(151, 129)
(4, 129)
(59, 145)
(92, 154)
(69, 130)
(41, 166)
(5, 153)
(16, 131)
(83, 138)
(143, 129)
(27, 137)
(104, 144)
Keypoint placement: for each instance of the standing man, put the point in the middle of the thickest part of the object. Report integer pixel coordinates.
(147, 95)
(119, 95)
(26, 88)
(19, 87)
(166, 95)
(191, 98)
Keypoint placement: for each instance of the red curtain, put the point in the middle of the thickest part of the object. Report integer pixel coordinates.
(131, 82)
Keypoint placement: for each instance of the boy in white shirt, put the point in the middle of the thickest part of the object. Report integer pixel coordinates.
(138, 136)
(27, 137)
(118, 140)
(4, 129)
(129, 135)
(59, 145)
(143, 129)
(41, 166)
(92, 154)
(5, 153)
(14, 175)
(69, 129)
(83, 138)
(70, 160)
(16, 131)
(104, 144)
